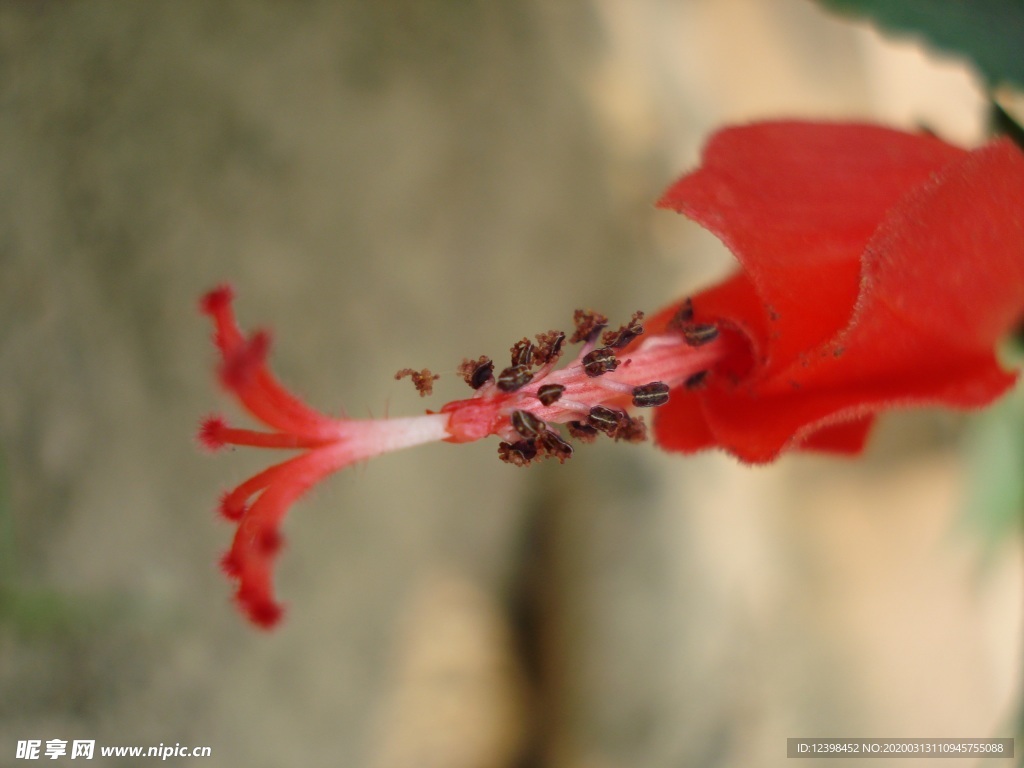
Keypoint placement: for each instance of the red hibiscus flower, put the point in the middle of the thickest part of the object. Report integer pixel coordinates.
(878, 269)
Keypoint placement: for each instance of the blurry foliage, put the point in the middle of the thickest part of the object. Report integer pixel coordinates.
(35, 613)
(995, 502)
(1002, 122)
(986, 31)
(8, 565)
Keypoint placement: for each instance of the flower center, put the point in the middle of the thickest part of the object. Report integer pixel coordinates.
(612, 371)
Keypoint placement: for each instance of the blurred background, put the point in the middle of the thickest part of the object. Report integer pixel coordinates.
(408, 183)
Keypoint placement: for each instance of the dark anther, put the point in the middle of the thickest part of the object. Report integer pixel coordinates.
(683, 316)
(551, 444)
(549, 393)
(422, 380)
(514, 377)
(601, 360)
(477, 372)
(617, 424)
(697, 380)
(582, 432)
(522, 353)
(698, 334)
(631, 430)
(549, 347)
(526, 424)
(519, 453)
(650, 395)
(588, 324)
(626, 333)
(605, 419)
(483, 373)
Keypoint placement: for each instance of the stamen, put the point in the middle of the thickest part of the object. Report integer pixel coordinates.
(606, 383)
(601, 360)
(588, 324)
(605, 419)
(551, 444)
(519, 453)
(626, 333)
(567, 404)
(526, 424)
(548, 394)
(582, 432)
(631, 430)
(477, 372)
(514, 377)
(699, 334)
(683, 316)
(650, 395)
(549, 347)
(697, 380)
(422, 380)
(522, 353)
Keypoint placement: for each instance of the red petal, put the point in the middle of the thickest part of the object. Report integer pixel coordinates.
(797, 204)
(847, 437)
(680, 425)
(943, 281)
(734, 305)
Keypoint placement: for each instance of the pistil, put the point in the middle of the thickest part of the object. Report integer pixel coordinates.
(523, 405)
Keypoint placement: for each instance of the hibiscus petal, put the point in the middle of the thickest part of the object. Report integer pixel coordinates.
(797, 204)
(846, 437)
(736, 308)
(944, 281)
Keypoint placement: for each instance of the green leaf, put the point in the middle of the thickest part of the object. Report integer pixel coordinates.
(989, 32)
(998, 490)
(995, 495)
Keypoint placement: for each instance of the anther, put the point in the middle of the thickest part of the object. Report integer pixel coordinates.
(682, 316)
(422, 380)
(698, 334)
(650, 395)
(549, 394)
(551, 444)
(696, 381)
(514, 377)
(477, 372)
(605, 419)
(588, 324)
(522, 353)
(549, 347)
(626, 333)
(526, 424)
(519, 453)
(632, 430)
(601, 360)
(582, 432)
